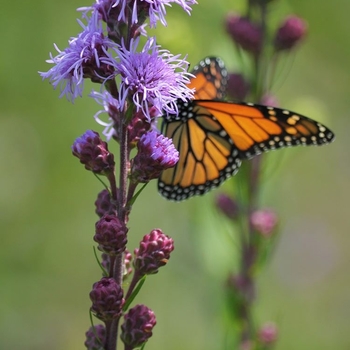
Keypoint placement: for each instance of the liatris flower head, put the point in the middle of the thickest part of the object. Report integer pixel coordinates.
(93, 153)
(95, 337)
(111, 235)
(245, 33)
(237, 87)
(227, 205)
(291, 31)
(137, 327)
(268, 333)
(86, 57)
(107, 299)
(152, 78)
(153, 253)
(264, 221)
(104, 204)
(155, 154)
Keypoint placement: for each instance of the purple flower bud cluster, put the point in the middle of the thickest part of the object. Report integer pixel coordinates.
(93, 153)
(111, 235)
(107, 299)
(95, 337)
(137, 327)
(153, 253)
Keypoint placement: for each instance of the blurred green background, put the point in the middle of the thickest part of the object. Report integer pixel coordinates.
(47, 215)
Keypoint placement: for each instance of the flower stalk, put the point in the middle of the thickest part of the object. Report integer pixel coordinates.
(137, 85)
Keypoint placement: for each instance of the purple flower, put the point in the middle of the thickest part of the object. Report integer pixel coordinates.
(153, 253)
(137, 327)
(292, 30)
(108, 9)
(95, 337)
(152, 78)
(245, 33)
(107, 299)
(237, 86)
(228, 206)
(156, 11)
(155, 154)
(264, 221)
(93, 153)
(104, 204)
(85, 57)
(111, 235)
(268, 333)
(111, 107)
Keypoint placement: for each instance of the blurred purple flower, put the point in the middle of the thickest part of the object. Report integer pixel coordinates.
(292, 30)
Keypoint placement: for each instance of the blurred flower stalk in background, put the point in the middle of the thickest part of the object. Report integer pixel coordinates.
(260, 48)
(139, 82)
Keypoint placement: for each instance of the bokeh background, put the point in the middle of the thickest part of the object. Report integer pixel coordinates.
(47, 215)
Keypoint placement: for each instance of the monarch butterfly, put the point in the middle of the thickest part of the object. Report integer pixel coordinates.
(214, 136)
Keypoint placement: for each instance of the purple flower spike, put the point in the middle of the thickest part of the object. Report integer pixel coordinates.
(95, 337)
(155, 154)
(85, 57)
(154, 252)
(111, 235)
(137, 327)
(290, 33)
(107, 299)
(93, 153)
(152, 78)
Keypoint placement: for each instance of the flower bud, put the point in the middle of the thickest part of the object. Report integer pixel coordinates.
(104, 204)
(292, 30)
(127, 269)
(95, 337)
(93, 153)
(107, 299)
(111, 235)
(137, 327)
(237, 87)
(154, 252)
(155, 154)
(264, 221)
(268, 333)
(242, 286)
(269, 100)
(227, 206)
(245, 33)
